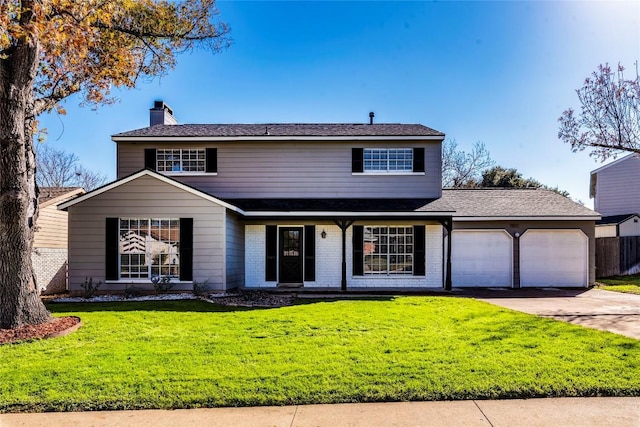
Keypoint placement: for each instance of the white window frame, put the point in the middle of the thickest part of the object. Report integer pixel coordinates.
(385, 164)
(161, 164)
(148, 253)
(389, 253)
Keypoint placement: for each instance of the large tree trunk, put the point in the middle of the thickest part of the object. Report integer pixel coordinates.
(20, 302)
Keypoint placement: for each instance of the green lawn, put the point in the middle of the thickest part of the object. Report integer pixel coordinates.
(190, 354)
(626, 284)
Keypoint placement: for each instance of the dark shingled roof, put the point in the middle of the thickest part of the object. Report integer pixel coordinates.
(282, 129)
(48, 193)
(459, 203)
(510, 203)
(334, 205)
(614, 219)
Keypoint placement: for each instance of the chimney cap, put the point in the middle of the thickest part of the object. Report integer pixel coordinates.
(161, 114)
(371, 116)
(161, 105)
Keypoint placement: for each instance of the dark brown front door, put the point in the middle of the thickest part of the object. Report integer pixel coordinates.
(291, 255)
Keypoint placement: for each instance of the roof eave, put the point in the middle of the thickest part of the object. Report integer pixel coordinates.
(62, 197)
(117, 138)
(345, 214)
(528, 218)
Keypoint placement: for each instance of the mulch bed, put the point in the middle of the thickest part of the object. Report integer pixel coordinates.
(57, 327)
(245, 298)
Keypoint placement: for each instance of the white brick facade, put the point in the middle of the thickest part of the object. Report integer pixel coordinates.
(254, 253)
(329, 261)
(433, 267)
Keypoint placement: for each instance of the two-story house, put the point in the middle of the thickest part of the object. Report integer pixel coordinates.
(331, 206)
(617, 197)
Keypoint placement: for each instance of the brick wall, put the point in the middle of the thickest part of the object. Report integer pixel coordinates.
(50, 266)
(329, 261)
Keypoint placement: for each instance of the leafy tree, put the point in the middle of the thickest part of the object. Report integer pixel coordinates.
(49, 50)
(609, 120)
(498, 176)
(57, 168)
(461, 169)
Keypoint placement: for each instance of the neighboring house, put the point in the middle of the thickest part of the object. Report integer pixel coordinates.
(316, 206)
(618, 226)
(617, 197)
(49, 255)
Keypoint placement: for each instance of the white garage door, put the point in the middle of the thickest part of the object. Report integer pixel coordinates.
(554, 258)
(481, 258)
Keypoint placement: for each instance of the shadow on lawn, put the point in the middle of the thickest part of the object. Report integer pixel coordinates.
(177, 306)
(191, 305)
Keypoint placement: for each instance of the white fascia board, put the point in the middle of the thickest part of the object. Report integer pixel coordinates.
(272, 138)
(348, 214)
(526, 218)
(62, 197)
(147, 172)
(622, 159)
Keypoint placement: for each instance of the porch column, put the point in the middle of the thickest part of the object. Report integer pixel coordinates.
(448, 225)
(344, 225)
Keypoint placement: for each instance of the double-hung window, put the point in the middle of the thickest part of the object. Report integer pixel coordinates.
(388, 250)
(384, 160)
(149, 247)
(180, 160)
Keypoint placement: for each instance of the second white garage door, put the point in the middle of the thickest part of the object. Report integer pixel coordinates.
(554, 258)
(481, 258)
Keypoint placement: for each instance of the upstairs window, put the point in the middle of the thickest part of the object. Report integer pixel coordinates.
(381, 160)
(180, 160)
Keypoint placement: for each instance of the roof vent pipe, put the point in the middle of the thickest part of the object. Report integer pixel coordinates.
(371, 115)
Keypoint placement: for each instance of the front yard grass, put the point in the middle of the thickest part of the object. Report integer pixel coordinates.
(181, 354)
(627, 284)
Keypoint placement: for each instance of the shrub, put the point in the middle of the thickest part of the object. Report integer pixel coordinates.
(200, 288)
(89, 288)
(162, 283)
(132, 292)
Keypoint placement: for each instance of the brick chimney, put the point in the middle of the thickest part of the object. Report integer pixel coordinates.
(161, 114)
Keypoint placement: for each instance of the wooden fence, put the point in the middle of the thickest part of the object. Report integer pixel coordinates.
(617, 256)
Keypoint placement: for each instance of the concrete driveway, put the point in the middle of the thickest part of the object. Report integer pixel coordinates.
(594, 308)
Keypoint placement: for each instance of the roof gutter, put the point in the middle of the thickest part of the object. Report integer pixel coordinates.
(527, 218)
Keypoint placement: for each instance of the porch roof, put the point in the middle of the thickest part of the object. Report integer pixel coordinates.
(331, 208)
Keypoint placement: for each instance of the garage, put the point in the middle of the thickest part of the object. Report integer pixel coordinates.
(554, 258)
(481, 258)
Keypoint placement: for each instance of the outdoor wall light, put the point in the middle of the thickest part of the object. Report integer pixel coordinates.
(323, 234)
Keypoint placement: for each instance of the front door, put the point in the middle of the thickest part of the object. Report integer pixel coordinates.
(291, 255)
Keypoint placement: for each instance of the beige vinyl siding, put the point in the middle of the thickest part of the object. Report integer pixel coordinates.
(630, 227)
(234, 251)
(513, 227)
(617, 192)
(290, 169)
(52, 228)
(145, 197)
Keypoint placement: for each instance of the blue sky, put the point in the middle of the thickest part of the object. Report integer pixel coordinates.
(496, 72)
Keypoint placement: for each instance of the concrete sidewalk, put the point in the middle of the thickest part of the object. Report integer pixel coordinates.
(566, 412)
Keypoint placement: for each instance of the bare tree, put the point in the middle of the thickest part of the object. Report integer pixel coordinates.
(609, 121)
(57, 168)
(461, 169)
